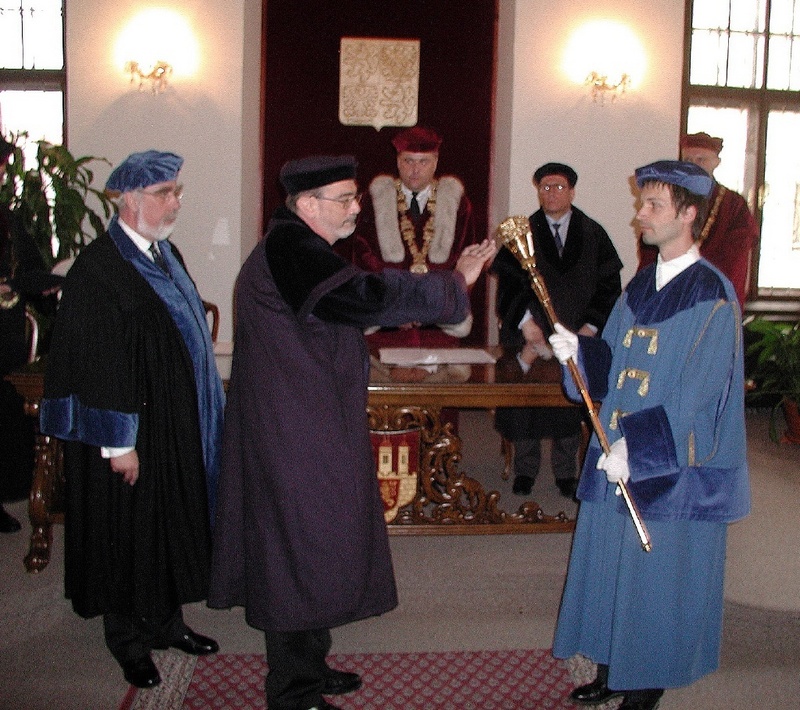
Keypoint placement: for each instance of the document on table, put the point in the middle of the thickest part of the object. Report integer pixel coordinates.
(425, 357)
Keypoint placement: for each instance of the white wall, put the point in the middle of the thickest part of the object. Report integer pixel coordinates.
(211, 120)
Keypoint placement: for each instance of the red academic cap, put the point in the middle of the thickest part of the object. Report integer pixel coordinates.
(417, 140)
(701, 140)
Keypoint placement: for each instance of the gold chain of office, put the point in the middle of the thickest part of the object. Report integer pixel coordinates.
(419, 257)
(712, 215)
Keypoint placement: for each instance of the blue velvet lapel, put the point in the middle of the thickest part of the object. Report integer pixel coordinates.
(179, 295)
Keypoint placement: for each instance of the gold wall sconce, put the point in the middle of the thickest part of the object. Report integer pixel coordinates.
(157, 75)
(602, 85)
(155, 45)
(607, 57)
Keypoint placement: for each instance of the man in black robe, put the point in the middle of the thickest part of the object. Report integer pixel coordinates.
(580, 266)
(299, 538)
(132, 386)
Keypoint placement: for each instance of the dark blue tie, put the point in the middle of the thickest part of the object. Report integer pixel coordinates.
(557, 238)
(158, 258)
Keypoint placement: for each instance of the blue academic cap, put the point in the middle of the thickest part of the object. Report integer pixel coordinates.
(676, 172)
(140, 170)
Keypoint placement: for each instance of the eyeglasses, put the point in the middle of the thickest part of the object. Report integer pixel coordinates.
(558, 187)
(164, 192)
(343, 201)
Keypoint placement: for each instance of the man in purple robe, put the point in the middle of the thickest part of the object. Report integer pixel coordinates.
(300, 539)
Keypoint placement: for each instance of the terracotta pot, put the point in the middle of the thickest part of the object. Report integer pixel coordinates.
(791, 413)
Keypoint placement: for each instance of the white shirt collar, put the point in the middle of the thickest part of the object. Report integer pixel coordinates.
(141, 243)
(422, 195)
(668, 270)
(563, 224)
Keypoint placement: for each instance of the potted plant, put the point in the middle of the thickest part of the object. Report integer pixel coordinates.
(775, 371)
(54, 204)
(51, 201)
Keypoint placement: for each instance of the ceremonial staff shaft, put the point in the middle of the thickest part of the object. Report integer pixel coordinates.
(515, 234)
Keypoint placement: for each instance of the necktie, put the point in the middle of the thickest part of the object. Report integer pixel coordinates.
(413, 210)
(557, 238)
(158, 259)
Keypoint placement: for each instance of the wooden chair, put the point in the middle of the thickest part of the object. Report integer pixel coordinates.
(32, 335)
(213, 311)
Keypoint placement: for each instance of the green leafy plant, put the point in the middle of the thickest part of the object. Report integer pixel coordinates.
(775, 369)
(51, 201)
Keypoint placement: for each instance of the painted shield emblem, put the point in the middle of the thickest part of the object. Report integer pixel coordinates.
(397, 466)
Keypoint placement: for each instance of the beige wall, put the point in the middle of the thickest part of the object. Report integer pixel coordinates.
(550, 119)
(213, 120)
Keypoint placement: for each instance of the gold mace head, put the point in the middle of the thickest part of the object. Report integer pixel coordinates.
(515, 234)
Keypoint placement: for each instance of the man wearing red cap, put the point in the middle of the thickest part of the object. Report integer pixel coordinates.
(415, 222)
(730, 231)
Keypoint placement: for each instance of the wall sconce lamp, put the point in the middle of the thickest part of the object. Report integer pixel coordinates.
(157, 75)
(607, 57)
(602, 85)
(154, 46)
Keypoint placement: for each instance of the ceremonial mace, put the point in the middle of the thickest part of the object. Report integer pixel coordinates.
(515, 234)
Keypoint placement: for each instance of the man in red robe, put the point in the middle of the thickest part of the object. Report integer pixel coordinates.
(730, 232)
(419, 223)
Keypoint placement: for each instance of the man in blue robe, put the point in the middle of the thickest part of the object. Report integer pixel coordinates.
(669, 372)
(300, 539)
(132, 386)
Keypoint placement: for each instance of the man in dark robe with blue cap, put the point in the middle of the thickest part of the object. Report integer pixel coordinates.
(300, 539)
(132, 387)
(669, 372)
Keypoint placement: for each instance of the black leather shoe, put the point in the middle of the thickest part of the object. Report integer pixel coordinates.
(340, 682)
(522, 485)
(141, 672)
(8, 523)
(195, 644)
(567, 486)
(594, 693)
(641, 699)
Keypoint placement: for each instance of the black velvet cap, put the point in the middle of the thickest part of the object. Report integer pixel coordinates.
(316, 171)
(556, 169)
(676, 172)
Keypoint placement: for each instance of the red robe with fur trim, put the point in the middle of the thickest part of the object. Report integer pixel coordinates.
(378, 245)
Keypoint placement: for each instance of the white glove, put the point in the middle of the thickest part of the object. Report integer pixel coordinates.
(615, 464)
(564, 343)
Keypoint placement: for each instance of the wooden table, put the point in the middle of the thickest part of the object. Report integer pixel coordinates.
(447, 501)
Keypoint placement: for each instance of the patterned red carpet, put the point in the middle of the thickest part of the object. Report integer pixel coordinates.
(459, 680)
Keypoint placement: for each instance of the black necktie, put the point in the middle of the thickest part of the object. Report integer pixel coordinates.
(413, 209)
(557, 237)
(158, 259)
